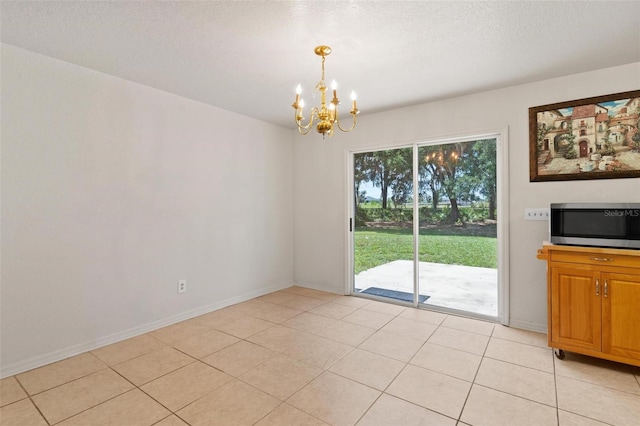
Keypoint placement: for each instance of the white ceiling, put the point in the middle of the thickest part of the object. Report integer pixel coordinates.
(248, 56)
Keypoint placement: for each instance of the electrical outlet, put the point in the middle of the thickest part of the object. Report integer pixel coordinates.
(536, 214)
(182, 286)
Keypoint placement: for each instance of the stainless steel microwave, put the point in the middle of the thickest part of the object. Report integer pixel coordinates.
(595, 224)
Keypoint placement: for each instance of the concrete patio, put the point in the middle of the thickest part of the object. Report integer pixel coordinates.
(464, 288)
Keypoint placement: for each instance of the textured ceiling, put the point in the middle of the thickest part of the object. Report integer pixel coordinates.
(248, 56)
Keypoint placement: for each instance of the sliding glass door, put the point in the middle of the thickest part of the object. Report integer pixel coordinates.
(458, 255)
(383, 234)
(425, 225)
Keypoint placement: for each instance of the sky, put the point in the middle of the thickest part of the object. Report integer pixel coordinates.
(372, 191)
(612, 106)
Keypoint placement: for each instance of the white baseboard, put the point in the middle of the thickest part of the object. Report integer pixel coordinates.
(334, 290)
(41, 360)
(525, 325)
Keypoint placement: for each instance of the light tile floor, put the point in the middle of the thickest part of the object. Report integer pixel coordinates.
(304, 357)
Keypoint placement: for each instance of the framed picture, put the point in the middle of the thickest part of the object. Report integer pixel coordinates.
(592, 138)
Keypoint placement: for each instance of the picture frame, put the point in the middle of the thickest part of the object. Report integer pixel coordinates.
(591, 138)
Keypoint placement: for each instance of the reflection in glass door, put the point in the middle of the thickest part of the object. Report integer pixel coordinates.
(458, 245)
(383, 234)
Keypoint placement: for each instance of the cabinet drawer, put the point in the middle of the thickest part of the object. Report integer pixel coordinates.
(595, 258)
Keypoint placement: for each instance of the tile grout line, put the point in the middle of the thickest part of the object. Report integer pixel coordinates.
(475, 376)
(30, 397)
(334, 362)
(164, 418)
(599, 384)
(259, 364)
(384, 392)
(522, 366)
(398, 315)
(327, 370)
(406, 364)
(30, 400)
(139, 387)
(555, 386)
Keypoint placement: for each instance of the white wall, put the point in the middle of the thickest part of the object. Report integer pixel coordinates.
(320, 178)
(112, 192)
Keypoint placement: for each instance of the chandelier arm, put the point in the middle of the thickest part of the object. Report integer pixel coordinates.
(313, 114)
(353, 125)
(303, 131)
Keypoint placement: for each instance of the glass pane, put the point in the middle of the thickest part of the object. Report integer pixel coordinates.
(458, 245)
(383, 234)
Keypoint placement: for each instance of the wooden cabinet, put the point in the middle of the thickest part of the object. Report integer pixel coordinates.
(593, 299)
(575, 308)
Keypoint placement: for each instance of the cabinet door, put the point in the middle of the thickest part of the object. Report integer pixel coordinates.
(621, 315)
(575, 307)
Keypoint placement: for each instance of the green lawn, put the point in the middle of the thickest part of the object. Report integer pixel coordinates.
(376, 247)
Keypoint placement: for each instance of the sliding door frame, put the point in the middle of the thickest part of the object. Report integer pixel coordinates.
(502, 182)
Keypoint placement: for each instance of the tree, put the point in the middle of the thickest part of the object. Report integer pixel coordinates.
(430, 176)
(607, 149)
(543, 129)
(572, 154)
(569, 137)
(463, 171)
(360, 173)
(361, 198)
(635, 139)
(480, 171)
(401, 177)
(391, 170)
(440, 165)
(607, 133)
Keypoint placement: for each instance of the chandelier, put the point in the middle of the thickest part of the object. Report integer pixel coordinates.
(325, 115)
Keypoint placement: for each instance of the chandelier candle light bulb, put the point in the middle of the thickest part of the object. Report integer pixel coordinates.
(326, 115)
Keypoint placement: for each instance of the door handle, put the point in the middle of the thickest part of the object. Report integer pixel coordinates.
(602, 259)
(597, 288)
(606, 289)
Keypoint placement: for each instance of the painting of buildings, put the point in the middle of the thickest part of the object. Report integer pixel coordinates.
(592, 138)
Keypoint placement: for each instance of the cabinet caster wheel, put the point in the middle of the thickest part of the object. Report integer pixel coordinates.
(559, 353)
